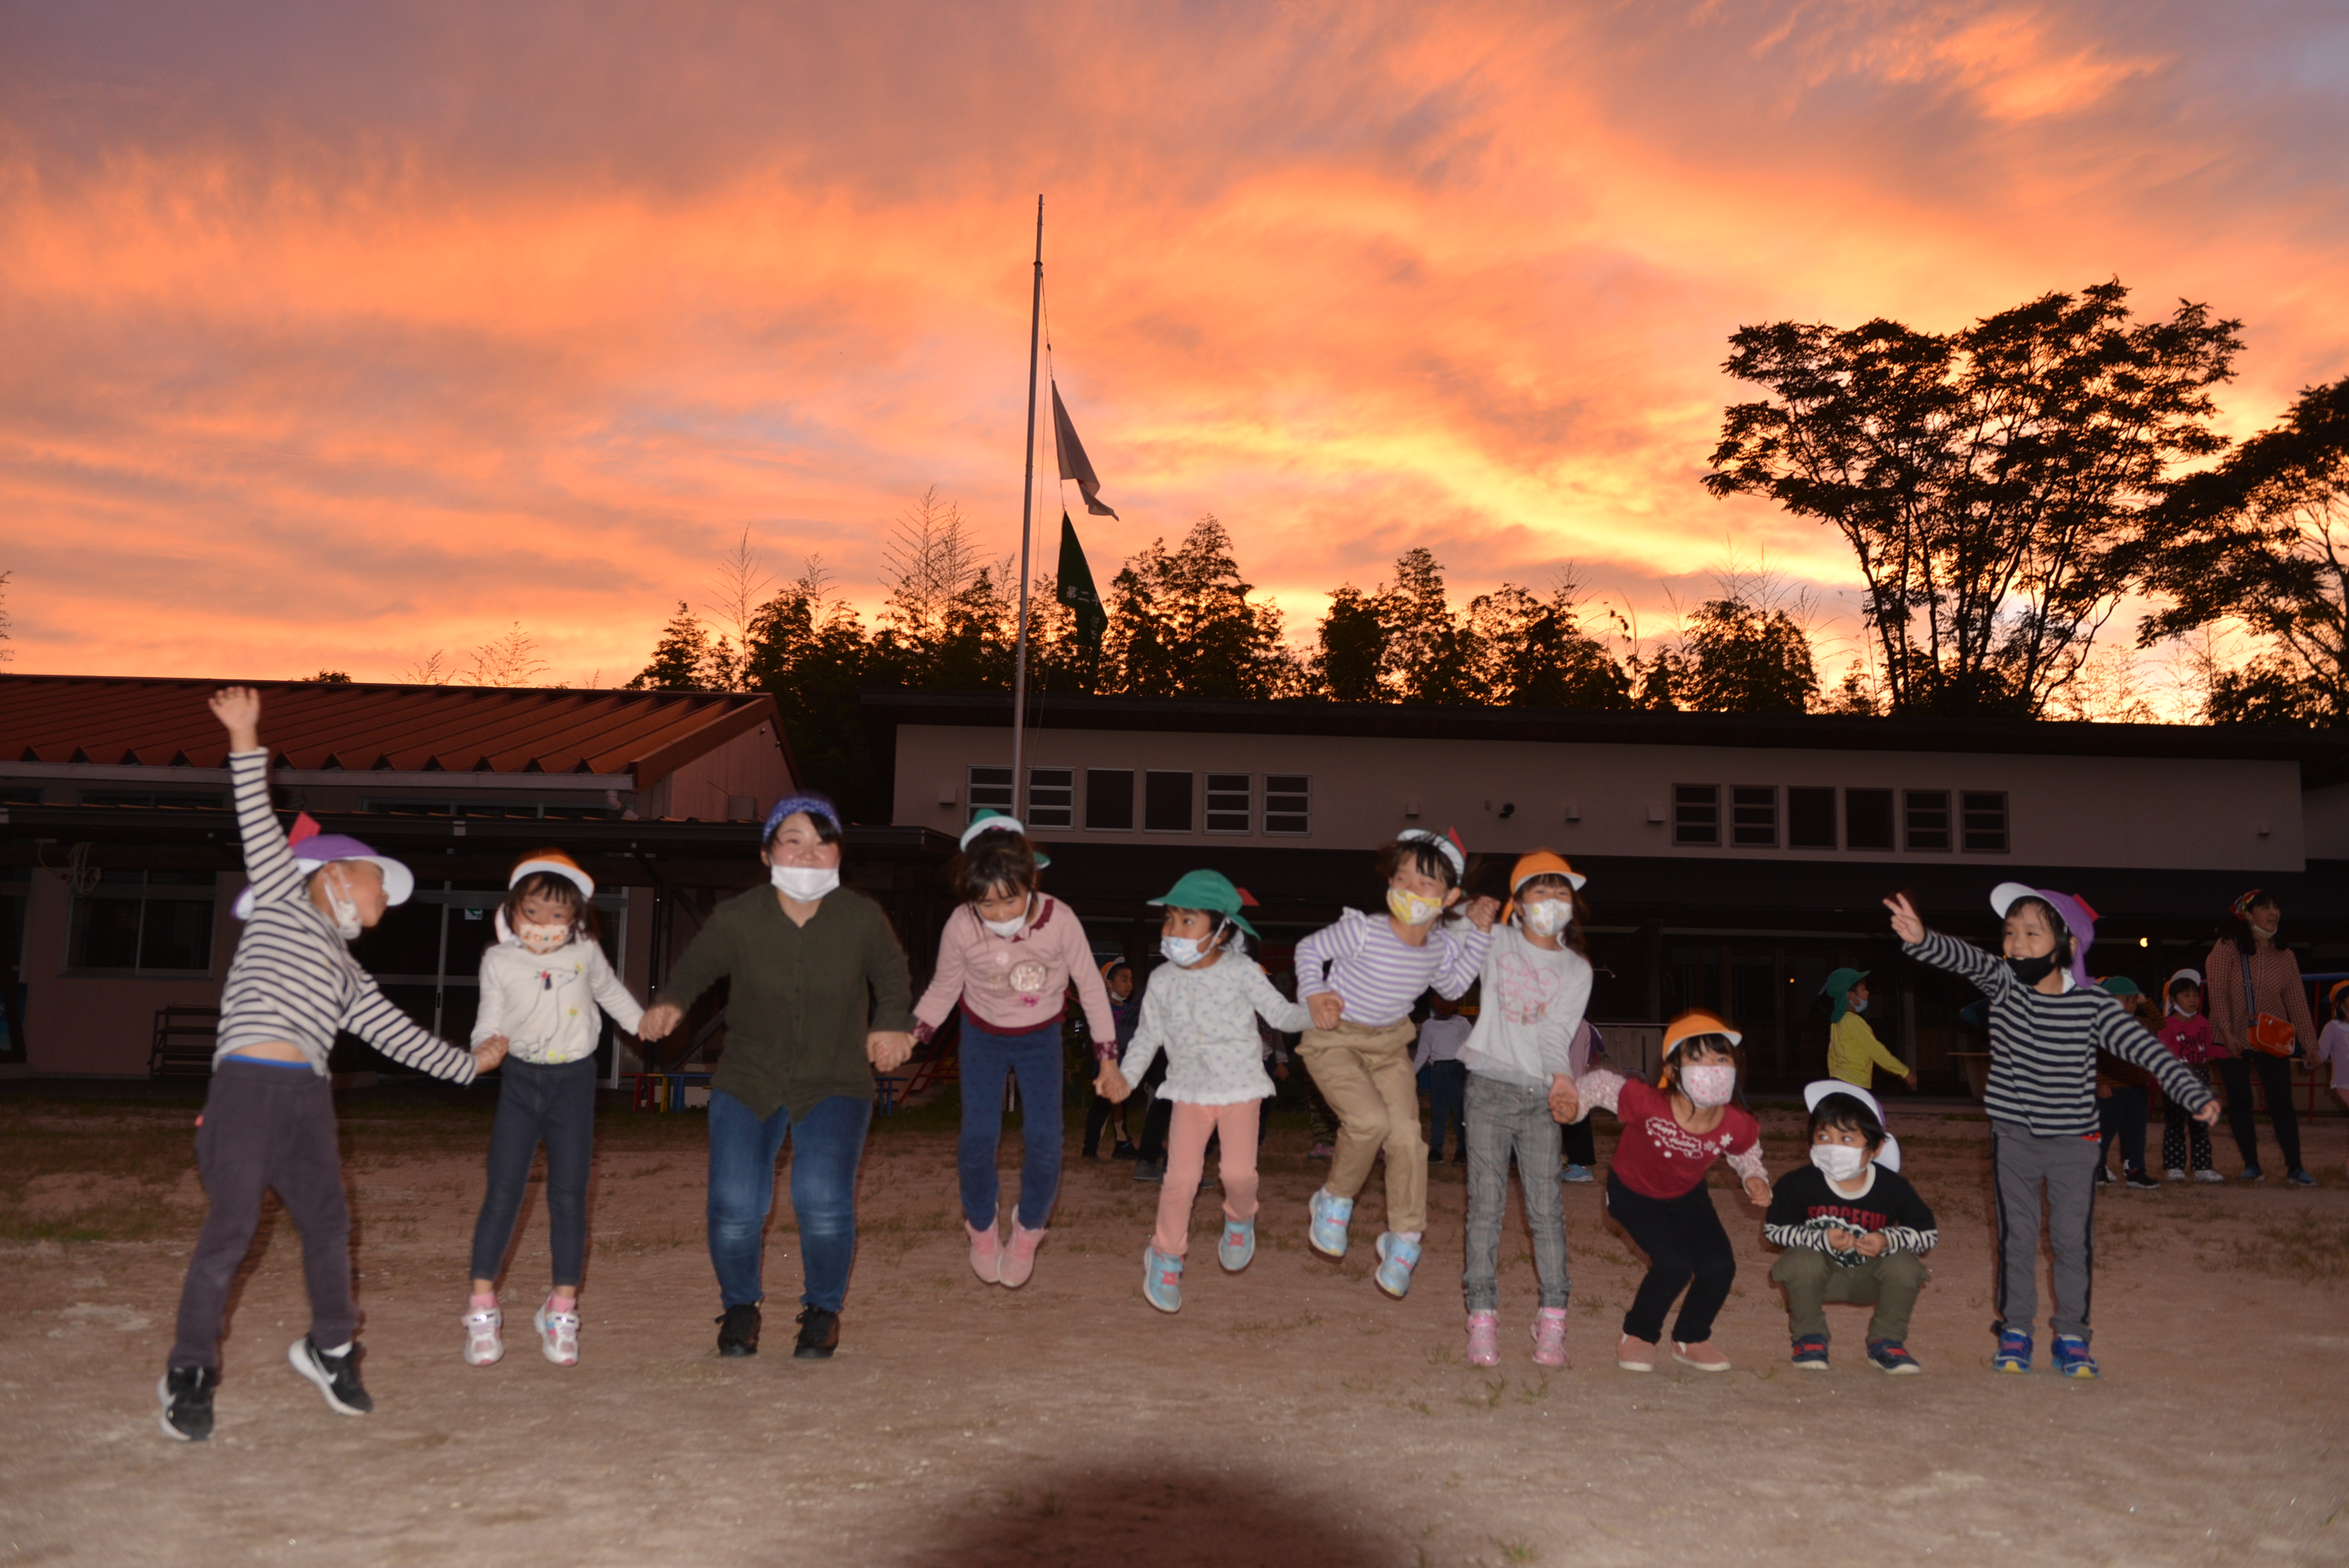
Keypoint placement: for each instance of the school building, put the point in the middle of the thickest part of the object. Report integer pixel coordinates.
(1734, 860)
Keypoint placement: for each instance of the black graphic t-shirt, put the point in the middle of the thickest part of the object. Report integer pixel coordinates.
(1804, 1207)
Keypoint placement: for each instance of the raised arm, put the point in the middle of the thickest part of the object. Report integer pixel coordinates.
(269, 865)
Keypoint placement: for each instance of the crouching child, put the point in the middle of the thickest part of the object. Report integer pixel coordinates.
(1853, 1229)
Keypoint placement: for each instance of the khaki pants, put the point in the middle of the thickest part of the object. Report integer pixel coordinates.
(1365, 1075)
(1890, 1282)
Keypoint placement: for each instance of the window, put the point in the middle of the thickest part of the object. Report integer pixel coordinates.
(1985, 821)
(1696, 813)
(1753, 816)
(1166, 802)
(1810, 818)
(1051, 797)
(1868, 818)
(1288, 804)
(1927, 814)
(144, 922)
(990, 789)
(1108, 799)
(1229, 803)
(206, 800)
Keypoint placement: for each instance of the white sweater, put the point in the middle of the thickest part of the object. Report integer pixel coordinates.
(1533, 1003)
(544, 1004)
(1205, 1020)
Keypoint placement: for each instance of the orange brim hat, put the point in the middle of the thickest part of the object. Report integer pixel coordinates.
(1688, 1026)
(554, 862)
(1540, 864)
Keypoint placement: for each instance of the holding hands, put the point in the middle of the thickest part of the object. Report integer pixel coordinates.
(1565, 1104)
(659, 1021)
(489, 1053)
(888, 1049)
(1757, 1190)
(1483, 912)
(1111, 1085)
(1326, 1008)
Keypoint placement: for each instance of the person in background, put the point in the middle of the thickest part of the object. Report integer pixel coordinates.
(1117, 979)
(2258, 1010)
(2333, 1044)
(2122, 1108)
(1579, 1145)
(2187, 1033)
(1437, 1063)
(1854, 1053)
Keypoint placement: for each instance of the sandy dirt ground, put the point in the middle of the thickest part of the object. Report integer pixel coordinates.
(1288, 1416)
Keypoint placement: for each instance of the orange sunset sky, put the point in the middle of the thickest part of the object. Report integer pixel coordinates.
(336, 334)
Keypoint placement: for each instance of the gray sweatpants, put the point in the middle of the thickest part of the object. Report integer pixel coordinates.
(1505, 1119)
(2064, 1169)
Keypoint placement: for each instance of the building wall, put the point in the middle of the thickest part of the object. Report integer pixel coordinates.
(715, 787)
(2325, 823)
(1615, 800)
(102, 1026)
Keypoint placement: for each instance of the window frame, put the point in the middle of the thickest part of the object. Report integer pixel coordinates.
(1128, 774)
(1685, 799)
(205, 896)
(972, 785)
(1965, 828)
(1305, 814)
(1067, 814)
(1911, 801)
(1738, 830)
(1247, 812)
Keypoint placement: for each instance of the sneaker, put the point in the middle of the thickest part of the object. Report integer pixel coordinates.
(986, 1252)
(1701, 1355)
(1483, 1339)
(1330, 1215)
(187, 1396)
(2140, 1180)
(2173, 1174)
(2254, 1173)
(1123, 1152)
(1811, 1352)
(1398, 1255)
(1891, 1355)
(338, 1376)
(1434, 1155)
(1162, 1280)
(1574, 1173)
(2072, 1359)
(1149, 1170)
(819, 1335)
(2103, 1176)
(2299, 1178)
(738, 1330)
(2013, 1353)
(1019, 1257)
(2210, 1176)
(1550, 1337)
(1238, 1249)
(484, 1344)
(558, 1334)
(1635, 1354)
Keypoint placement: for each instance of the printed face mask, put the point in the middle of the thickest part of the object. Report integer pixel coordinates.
(1410, 908)
(1182, 951)
(804, 884)
(1547, 918)
(2032, 971)
(346, 910)
(1709, 1085)
(1840, 1162)
(543, 938)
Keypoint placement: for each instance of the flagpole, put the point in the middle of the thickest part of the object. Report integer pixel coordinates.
(1027, 518)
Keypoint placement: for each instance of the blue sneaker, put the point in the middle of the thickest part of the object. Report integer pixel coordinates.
(2254, 1173)
(1811, 1352)
(2013, 1352)
(1331, 1217)
(1574, 1173)
(2299, 1178)
(1238, 1249)
(1891, 1355)
(1398, 1255)
(2072, 1359)
(1162, 1280)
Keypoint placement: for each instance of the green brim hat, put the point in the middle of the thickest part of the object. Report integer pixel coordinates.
(988, 819)
(1837, 991)
(1210, 890)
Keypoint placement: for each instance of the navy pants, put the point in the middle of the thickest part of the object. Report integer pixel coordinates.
(1447, 1103)
(554, 1106)
(827, 1145)
(1034, 1058)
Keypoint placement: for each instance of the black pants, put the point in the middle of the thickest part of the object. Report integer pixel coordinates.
(267, 1130)
(554, 1106)
(2122, 1114)
(1687, 1250)
(2276, 1078)
(1447, 1101)
(1155, 1126)
(1575, 1139)
(1101, 1113)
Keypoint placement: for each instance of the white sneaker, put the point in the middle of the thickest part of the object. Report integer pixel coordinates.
(558, 1334)
(483, 1346)
(2208, 1176)
(2173, 1174)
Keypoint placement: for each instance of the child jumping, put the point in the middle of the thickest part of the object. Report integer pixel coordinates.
(268, 1123)
(2046, 1025)
(1673, 1132)
(1853, 1231)
(1007, 955)
(2184, 1141)
(1359, 979)
(1854, 1053)
(1201, 1009)
(541, 981)
(1535, 985)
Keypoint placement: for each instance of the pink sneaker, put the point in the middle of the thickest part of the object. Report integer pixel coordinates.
(558, 1333)
(1550, 1337)
(1701, 1355)
(483, 1347)
(1483, 1339)
(1020, 1258)
(985, 1252)
(1635, 1354)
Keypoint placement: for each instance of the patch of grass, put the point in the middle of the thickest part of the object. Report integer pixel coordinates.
(2303, 1248)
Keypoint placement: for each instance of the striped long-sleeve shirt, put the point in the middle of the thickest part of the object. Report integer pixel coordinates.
(1378, 974)
(293, 980)
(2043, 1048)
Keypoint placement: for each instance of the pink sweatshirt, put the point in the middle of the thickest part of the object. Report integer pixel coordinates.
(1013, 984)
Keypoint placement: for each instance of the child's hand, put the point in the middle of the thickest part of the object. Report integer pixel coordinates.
(1871, 1245)
(1327, 1007)
(1911, 1080)
(1757, 1190)
(489, 1052)
(1839, 1239)
(1565, 1105)
(1483, 912)
(658, 1021)
(1111, 1085)
(239, 710)
(2209, 1115)
(888, 1049)
(1905, 923)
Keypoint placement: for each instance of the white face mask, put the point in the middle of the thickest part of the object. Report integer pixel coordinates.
(346, 912)
(1840, 1162)
(1011, 927)
(1412, 909)
(543, 938)
(1709, 1085)
(1859, 1003)
(1182, 951)
(804, 884)
(1547, 918)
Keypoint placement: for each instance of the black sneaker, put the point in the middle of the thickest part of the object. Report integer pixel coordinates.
(338, 1376)
(2254, 1173)
(738, 1330)
(187, 1396)
(1149, 1170)
(2140, 1180)
(2103, 1176)
(819, 1335)
(1123, 1152)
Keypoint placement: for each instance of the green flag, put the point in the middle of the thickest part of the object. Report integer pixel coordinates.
(1076, 589)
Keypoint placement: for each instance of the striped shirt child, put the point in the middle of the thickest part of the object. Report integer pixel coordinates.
(1378, 974)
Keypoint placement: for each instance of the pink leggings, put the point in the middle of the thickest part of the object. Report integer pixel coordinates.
(1186, 1157)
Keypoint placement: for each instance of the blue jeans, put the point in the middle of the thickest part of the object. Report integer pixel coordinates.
(1447, 1098)
(743, 1153)
(987, 1059)
(554, 1106)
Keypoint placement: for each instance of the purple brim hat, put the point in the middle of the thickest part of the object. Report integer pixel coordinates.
(324, 849)
(2078, 919)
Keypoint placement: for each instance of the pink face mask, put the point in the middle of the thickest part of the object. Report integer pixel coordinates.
(1709, 1085)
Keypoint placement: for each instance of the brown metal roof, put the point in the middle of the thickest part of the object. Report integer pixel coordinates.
(127, 721)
